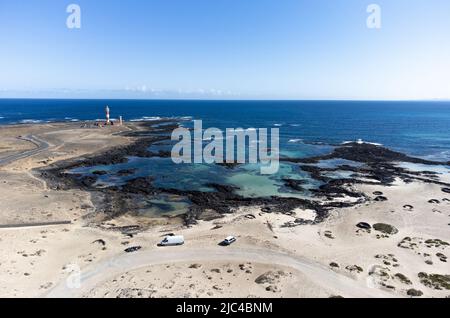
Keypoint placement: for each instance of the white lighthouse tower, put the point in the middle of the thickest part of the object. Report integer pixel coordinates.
(107, 115)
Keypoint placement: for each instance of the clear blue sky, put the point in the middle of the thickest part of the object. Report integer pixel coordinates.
(287, 49)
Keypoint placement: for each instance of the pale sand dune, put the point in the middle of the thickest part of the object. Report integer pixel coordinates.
(213, 279)
(34, 261)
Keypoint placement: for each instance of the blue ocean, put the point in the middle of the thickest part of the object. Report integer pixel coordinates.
(416, 128)
(307, 128)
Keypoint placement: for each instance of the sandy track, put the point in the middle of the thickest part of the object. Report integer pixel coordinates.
(324, 277)
(40, 144)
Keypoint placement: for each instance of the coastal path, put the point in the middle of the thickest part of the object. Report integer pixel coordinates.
(41, 146)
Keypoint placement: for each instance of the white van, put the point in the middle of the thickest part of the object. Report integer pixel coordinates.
(172, 241)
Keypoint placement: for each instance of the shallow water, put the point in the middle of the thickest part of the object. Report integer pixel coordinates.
(196, 177)
(164, 205)
(441, 169)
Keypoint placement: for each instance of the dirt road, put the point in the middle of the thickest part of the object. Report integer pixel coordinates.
(41, 146)
(98, 273)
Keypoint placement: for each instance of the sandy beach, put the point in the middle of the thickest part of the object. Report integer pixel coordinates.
(401, 253)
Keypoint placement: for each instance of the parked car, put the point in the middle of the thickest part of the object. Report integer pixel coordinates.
(172, 241)
(229, 240)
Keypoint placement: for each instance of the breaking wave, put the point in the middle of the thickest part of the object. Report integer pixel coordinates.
(361, 142)
(31, 121)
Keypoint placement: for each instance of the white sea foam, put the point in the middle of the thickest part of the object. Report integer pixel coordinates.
(157, 118)
(103, 120)
(439, 156)
(30, 121)
(361, 142)
(295, 140)
(146, 118)
(278, 125)
(71, 119)
(218, 138)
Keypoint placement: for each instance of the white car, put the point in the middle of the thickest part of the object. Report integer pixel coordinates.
(229, 240)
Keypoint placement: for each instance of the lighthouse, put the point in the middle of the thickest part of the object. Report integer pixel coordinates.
(107, 115)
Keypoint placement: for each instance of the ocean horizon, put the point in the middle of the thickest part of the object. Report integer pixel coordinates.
(418, 128)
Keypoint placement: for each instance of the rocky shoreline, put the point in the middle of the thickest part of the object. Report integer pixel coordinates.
(377, 167)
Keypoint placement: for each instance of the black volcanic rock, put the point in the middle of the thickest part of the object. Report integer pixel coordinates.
(126, 172)
(414, 293)
(88, 181)
(315, 172)
(294, 184)
(222, 188)
(337, 188)
(229, 165)
(372, 153)
(100, 241)
(385, 228)
(367, 153)
(100, 173)
(142, 185)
